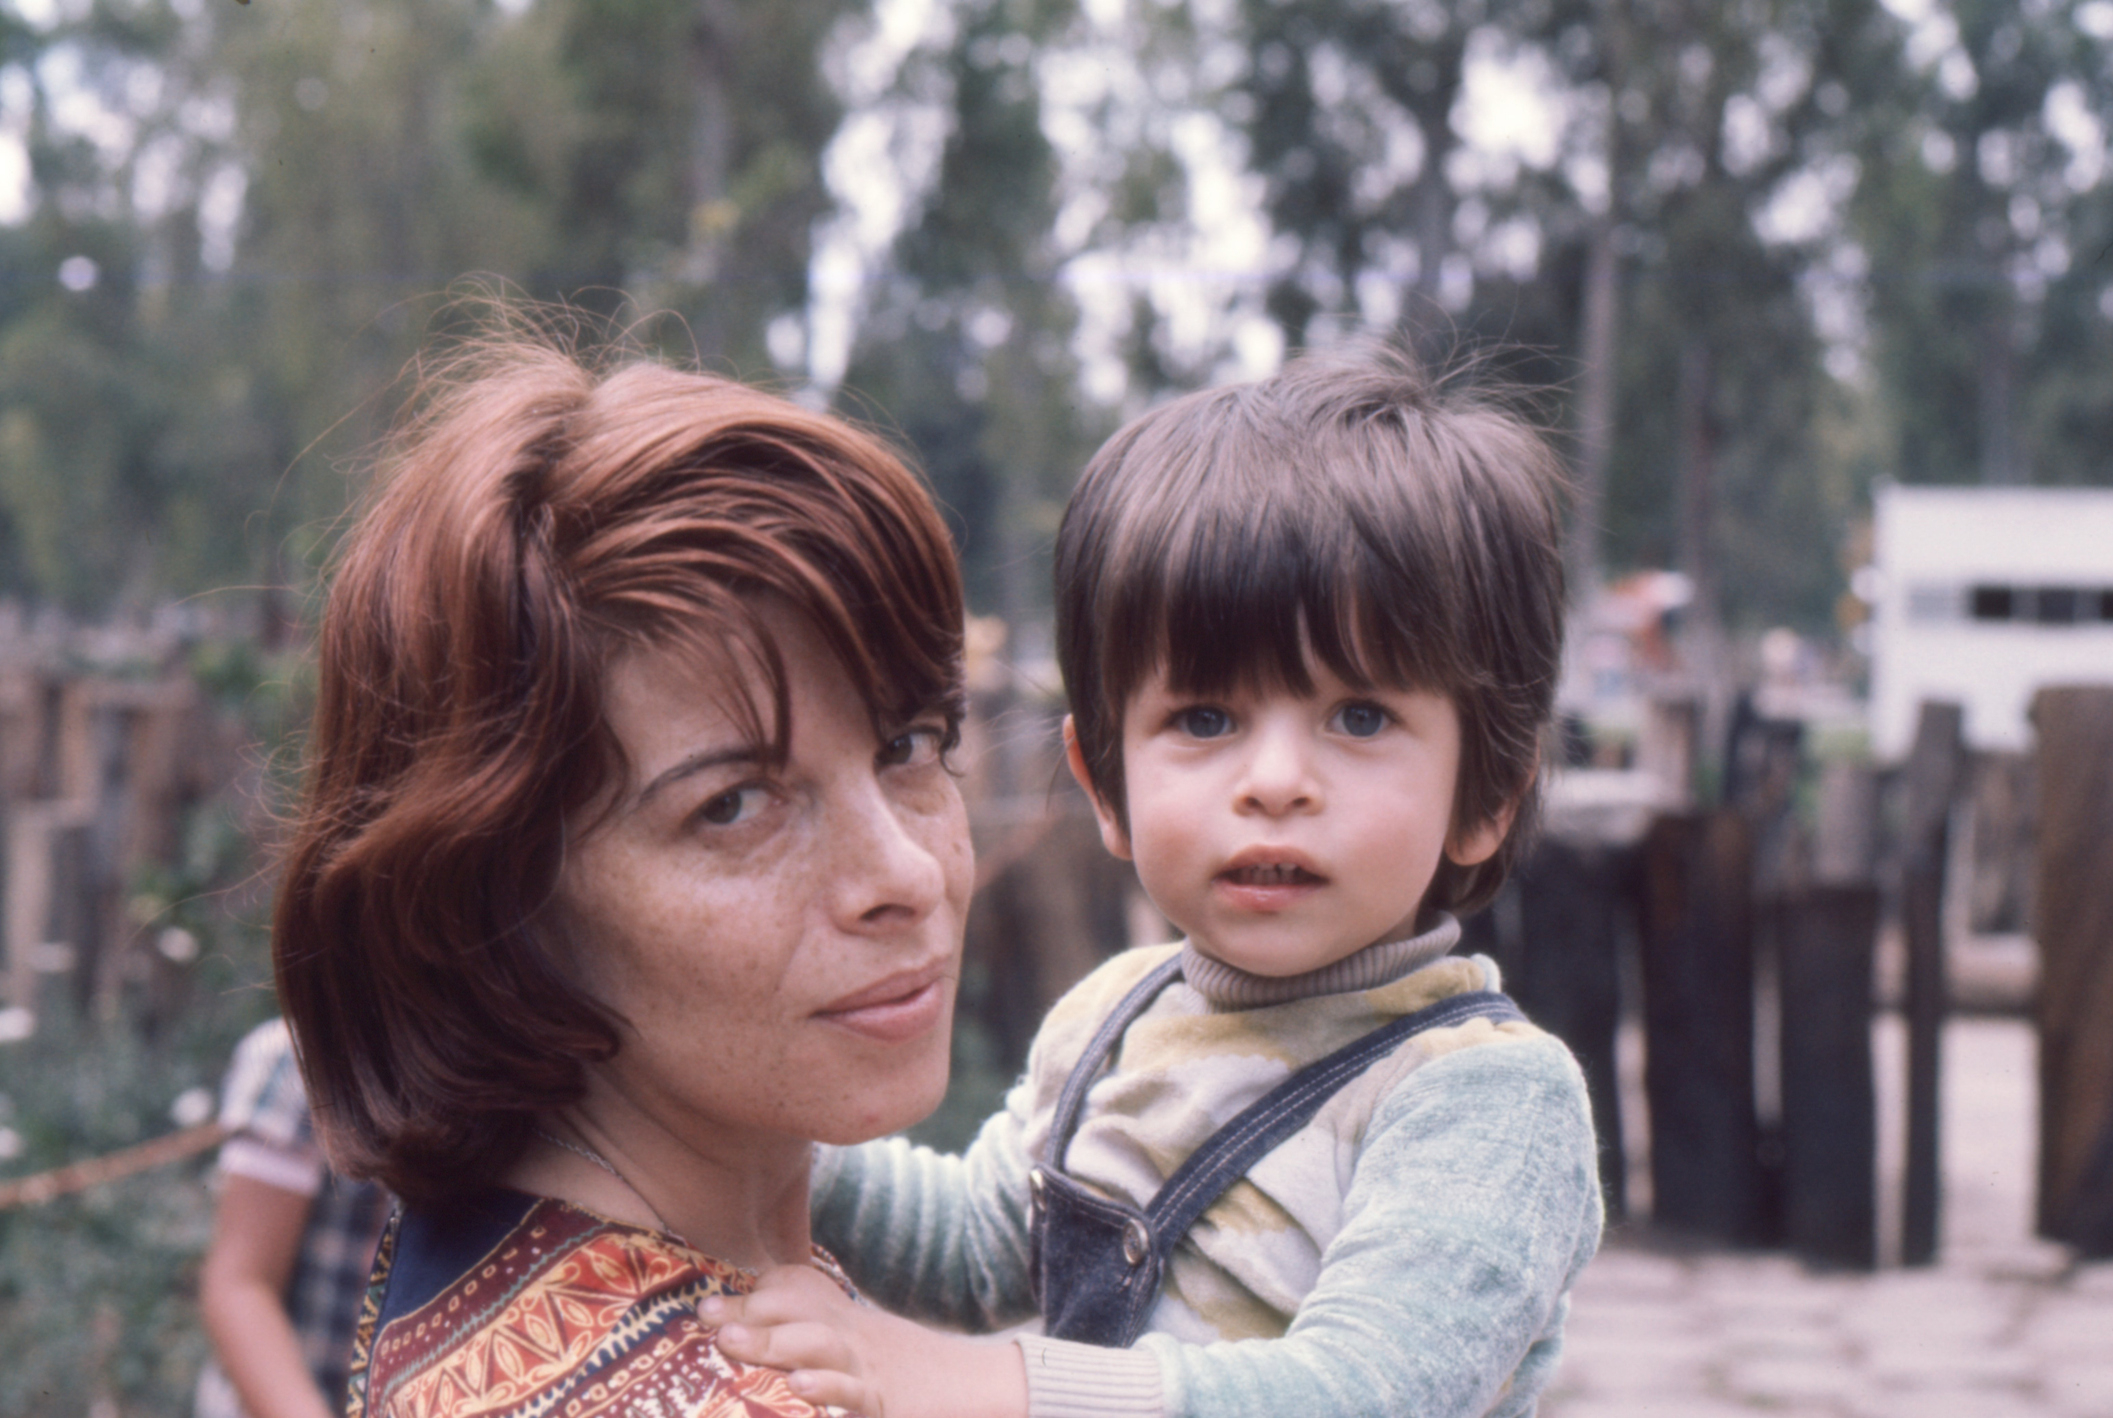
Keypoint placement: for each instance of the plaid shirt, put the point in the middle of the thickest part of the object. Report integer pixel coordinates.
(271, 1141)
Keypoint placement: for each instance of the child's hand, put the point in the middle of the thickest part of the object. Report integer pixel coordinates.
(846, 1355)
(797, 1320)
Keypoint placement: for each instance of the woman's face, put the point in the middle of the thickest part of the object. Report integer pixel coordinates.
(784, 943)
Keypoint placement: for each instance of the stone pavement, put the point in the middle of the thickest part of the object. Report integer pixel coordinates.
(2004, 1326)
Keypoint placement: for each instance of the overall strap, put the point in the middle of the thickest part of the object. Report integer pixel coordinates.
(1265, 1124)
(1095, 1058)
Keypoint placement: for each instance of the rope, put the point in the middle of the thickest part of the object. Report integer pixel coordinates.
(79, 1176)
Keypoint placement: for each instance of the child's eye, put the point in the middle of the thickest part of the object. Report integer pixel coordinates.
(1203, 721)
(1361, 720)
(913, 748)
(734, 805)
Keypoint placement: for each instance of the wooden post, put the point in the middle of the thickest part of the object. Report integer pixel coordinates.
(1845, 835)
(2074, 898)
(47, 905)
(1934, 775)
(21, 733)
(1824, 936)
(1998, 894)
(1697, 937)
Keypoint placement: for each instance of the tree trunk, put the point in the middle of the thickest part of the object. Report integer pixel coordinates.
(1595, 410)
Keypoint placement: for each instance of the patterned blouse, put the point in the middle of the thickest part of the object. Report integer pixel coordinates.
(516, 1306)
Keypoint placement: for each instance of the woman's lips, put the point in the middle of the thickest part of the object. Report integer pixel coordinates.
(896, 1009)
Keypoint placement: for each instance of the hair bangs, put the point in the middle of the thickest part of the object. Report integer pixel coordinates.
(1256, 598)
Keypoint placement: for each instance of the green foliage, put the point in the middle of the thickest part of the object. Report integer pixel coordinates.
(183, 420)
(98, 1289)
(969, 345)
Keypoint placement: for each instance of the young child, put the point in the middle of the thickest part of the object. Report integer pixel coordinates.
(1310, 628)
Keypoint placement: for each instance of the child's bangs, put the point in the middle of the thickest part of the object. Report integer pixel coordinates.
(1256, 601)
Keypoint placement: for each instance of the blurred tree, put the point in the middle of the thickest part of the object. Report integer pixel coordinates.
(1726, 164)
(1348, 112)
(679, 168)
(968, 344)
(1645, 261)
(229, 260)
(1984, 200)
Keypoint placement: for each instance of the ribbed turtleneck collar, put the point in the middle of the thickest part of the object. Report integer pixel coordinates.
(1227, 987)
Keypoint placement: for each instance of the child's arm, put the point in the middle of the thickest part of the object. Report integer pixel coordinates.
(1474, 1204)
(257, 1233)
(940, 1237)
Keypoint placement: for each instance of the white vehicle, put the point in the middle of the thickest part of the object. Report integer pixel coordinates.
(1983, 596)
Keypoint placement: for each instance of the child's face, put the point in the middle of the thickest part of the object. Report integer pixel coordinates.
(1282, 832)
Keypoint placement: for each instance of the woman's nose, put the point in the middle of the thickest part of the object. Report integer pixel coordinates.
(887, 865)
(1277, 776)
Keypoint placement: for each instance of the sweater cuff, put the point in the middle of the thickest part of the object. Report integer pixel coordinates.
(1066, 1379)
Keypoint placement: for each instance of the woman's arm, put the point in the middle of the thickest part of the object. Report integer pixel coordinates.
(256, 1242)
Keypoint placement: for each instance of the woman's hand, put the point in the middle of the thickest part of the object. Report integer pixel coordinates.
(846, 1355)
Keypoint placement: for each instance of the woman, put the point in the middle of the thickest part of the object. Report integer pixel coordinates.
(630, 866)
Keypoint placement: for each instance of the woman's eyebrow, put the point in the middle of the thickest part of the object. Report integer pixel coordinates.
(697, 763)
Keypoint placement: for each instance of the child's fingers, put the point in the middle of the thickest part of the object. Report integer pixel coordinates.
(826, 1388)
(720, 1310)
(782, 1296)
(798, 1345)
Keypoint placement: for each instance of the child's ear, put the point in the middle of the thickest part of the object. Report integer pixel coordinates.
(1113, 837)
(1479, 843)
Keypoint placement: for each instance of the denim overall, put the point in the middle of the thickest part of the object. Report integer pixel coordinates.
(1098, 1263)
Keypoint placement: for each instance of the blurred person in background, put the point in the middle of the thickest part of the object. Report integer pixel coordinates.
(292, 1244)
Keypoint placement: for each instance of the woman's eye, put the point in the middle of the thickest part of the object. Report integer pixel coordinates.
(1204, 721)
(914, 748)
(1361, 721)
(732, 806)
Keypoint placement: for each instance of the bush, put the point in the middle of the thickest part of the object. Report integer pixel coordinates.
(98, 1290)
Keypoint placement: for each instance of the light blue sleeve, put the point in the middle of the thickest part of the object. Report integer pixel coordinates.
(937, 1237)
(1474, 1206)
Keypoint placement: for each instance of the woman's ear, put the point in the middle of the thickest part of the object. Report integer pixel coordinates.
(1113, 837)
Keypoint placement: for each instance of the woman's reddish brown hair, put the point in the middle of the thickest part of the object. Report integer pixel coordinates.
(539, 517)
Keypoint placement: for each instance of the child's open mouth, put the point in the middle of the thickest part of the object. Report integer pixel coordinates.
(1271, 874)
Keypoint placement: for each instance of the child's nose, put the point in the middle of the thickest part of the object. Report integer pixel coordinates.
(1279, 777)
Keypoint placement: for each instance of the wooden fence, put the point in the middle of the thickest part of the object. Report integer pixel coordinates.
(97, 775)
(1759, 920)
(1754, 919)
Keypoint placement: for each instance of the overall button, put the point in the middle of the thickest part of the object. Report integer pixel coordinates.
(1137, 1241)
(1036, 1186)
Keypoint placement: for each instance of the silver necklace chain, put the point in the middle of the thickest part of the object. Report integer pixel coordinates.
(582, 1150)
(587, 1152)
